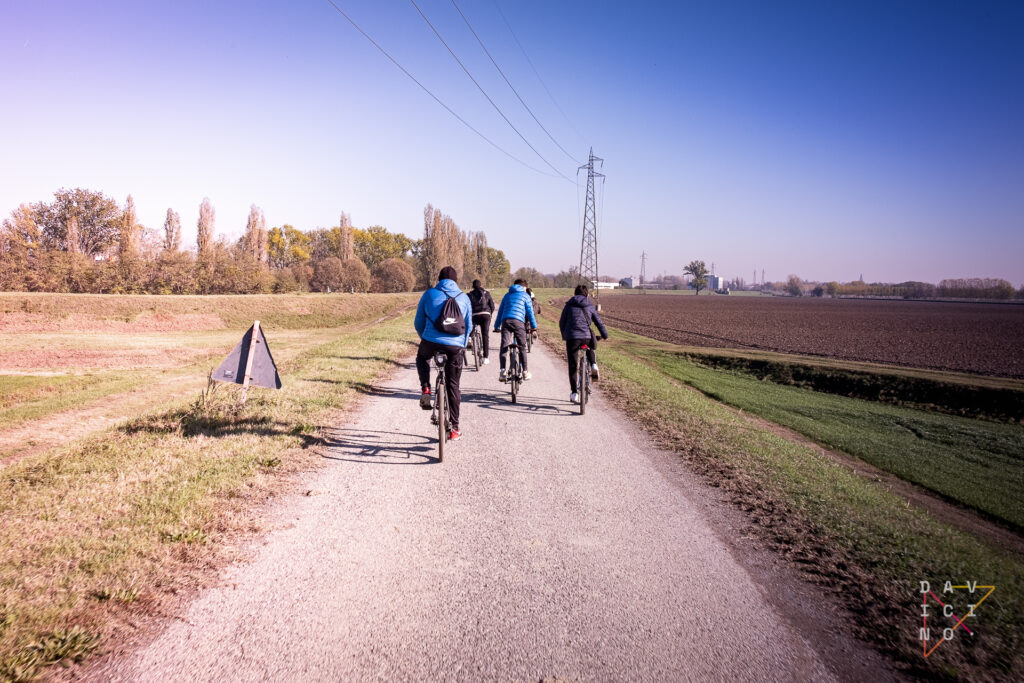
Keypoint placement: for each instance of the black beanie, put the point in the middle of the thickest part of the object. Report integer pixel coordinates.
(448, 273)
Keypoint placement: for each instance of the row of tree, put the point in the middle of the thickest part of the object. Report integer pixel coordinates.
(962, 288)
(83, 241)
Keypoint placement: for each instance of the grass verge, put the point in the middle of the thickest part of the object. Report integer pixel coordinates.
(995, 399)
(974, 462)
(854, 538)
(117, 522)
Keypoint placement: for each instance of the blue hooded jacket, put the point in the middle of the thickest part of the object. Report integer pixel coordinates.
(515, 305)
(430, 307)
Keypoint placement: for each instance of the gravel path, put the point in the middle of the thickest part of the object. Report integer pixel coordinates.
(546, 545)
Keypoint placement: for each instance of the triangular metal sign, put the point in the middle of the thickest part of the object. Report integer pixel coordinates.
(263, 372)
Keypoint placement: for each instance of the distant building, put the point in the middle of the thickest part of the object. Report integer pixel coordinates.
(607, 285)
(714, 282)
(626, 282)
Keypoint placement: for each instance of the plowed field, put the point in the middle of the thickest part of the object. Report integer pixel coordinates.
(980, 338)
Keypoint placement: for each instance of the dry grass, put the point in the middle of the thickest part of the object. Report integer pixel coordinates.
(108, 527)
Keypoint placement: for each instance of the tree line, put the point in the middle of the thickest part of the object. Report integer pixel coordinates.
(960, 288)
(84, 241)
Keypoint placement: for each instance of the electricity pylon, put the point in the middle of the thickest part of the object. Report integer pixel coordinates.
(588, 248)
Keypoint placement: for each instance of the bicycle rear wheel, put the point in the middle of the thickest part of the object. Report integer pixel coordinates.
(514, 372)
(441, 402)
(478, 352)
(582, 374)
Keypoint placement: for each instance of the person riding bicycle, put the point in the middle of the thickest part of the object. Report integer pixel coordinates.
(514, 314)
(447, 335)
(483, 308)
(574, 324)
(536, 311)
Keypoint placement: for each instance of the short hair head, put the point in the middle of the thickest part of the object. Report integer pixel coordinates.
(476, 284)
(520, 281)
(448, 273)
(582, 290)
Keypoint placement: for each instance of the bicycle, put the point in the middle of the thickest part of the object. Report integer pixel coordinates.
(514, 376)
(477, 340)
(440, 414)
(583, 376)
(529, 340)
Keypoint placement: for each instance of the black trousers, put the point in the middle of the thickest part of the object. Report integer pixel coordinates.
(571, 347)
(510, 328)
(452, 369)
(483, 320)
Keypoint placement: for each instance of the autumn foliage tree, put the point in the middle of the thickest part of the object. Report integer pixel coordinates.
(393, 275)
(83, 241)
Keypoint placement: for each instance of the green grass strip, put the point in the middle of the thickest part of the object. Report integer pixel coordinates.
(975, 462)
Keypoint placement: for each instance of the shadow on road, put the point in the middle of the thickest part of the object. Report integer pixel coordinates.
(496, 399)
(379, 448)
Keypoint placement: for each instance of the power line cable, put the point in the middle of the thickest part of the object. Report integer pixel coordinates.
(435, 97)
(525, 106)
(484, 92)
(537, 74)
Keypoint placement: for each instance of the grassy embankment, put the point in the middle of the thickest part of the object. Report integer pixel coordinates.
(841, 529)
(84, 348)
(108, 527)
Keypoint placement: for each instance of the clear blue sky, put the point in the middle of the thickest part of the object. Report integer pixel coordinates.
(826, 139)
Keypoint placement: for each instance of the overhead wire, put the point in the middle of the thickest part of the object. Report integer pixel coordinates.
(484, 92)
(537, 73)
(509, 83)
(435, 97)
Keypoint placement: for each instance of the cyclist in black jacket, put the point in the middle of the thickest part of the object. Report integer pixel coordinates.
(578, 314)
(483, 308)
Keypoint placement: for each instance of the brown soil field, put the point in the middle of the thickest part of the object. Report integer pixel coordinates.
(984, 339)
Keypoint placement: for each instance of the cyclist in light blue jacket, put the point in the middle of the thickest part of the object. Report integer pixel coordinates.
(515, 311)
(452, 344)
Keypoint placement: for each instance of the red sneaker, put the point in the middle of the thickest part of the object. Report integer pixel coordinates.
(454, 435)
(425, 399)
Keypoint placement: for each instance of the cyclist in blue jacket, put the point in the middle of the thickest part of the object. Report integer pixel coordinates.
(434, 341)
(514, 313)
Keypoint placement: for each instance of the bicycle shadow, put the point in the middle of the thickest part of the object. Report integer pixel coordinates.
(379, 447)
(491, 399)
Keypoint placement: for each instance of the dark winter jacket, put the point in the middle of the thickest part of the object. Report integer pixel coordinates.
(481, 300)
(515, 305)
(576, 317)
(430, 306)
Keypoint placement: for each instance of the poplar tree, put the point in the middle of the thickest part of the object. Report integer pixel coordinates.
(204, 234)
(128, 243)
(255, 239)
(172, 231)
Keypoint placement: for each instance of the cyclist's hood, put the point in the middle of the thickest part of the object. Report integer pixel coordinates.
(517, 288)
(449, 287)
(580, 301)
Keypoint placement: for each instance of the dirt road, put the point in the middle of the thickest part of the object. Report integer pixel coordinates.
(546, 545)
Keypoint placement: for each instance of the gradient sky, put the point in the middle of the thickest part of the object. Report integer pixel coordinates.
(826, 139)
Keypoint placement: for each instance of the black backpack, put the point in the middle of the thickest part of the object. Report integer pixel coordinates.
(450, 320)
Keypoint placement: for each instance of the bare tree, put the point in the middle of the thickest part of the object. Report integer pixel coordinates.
(128, 243)
(172, 231)
(255, 239)
(204, 235)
